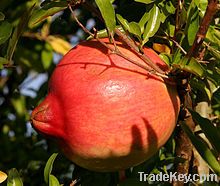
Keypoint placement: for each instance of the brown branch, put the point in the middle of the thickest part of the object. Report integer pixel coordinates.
(167, 37)
(184, 147)
(178, 14)
(115, 50)
(136, 50)
(129, 42)
(209, 14)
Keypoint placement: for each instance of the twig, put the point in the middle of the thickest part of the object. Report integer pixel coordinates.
(178, 45)
(115, 50)
(209, 14)
(129, 42)
(178, 14)
(167, 37)
(134, 48)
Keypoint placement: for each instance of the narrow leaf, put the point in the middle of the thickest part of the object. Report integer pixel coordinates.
(202, 5)
(2, 16)
(153, 24)
(123, 22)
(47, 10)
(210, 131)
(2, 62)
(59, 45)
(108, 13)
(49, 166)
(14, 178)
(145, 1)
(135, 29)
(214, 52)
(104, 33)
(53, 181)
(203, 150)
(5, 31)
(143, 21)
(18, 32)
(166, 8)
(193, 26)
(167, 58)
(213, 36)
(199, 85)
(191, 65)
(47, 58)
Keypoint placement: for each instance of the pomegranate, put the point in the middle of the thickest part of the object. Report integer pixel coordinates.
(104, 112)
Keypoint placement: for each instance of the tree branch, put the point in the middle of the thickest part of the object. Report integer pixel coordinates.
(130, 43)
(114, 50)
(209, 14)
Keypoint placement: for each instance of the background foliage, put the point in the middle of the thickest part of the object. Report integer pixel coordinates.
(34, 35)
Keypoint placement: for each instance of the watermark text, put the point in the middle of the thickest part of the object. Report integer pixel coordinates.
(174, 176)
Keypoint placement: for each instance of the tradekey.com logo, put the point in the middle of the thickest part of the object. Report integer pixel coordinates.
(174, 176)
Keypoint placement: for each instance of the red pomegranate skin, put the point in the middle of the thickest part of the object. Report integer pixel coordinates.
(105, 113)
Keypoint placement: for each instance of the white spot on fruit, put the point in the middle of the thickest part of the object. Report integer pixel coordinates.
(116, 90)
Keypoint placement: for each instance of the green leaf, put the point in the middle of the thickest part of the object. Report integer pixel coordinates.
(214, 52)
(2, 16)
(143, 21)
(14, 178)
(191, 65)
(210, 131)
(123, 22)
(19, 104)
(169, 8)
(49, 166)
(5, 31)
(202, 5)
(203, 150)
(153, 24)
(58, 44)
(167, 58)
(2, 62)
(202, 88)
(44, 12)
(132, 27)
(214, 76)
(53, 181)
(183, 17)
(104, 33)
(166, 9)
(213, 37)
(47, 56)
(18, 32)
(193, 26)
(135, 29)
(108, 13)
(145, 1)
